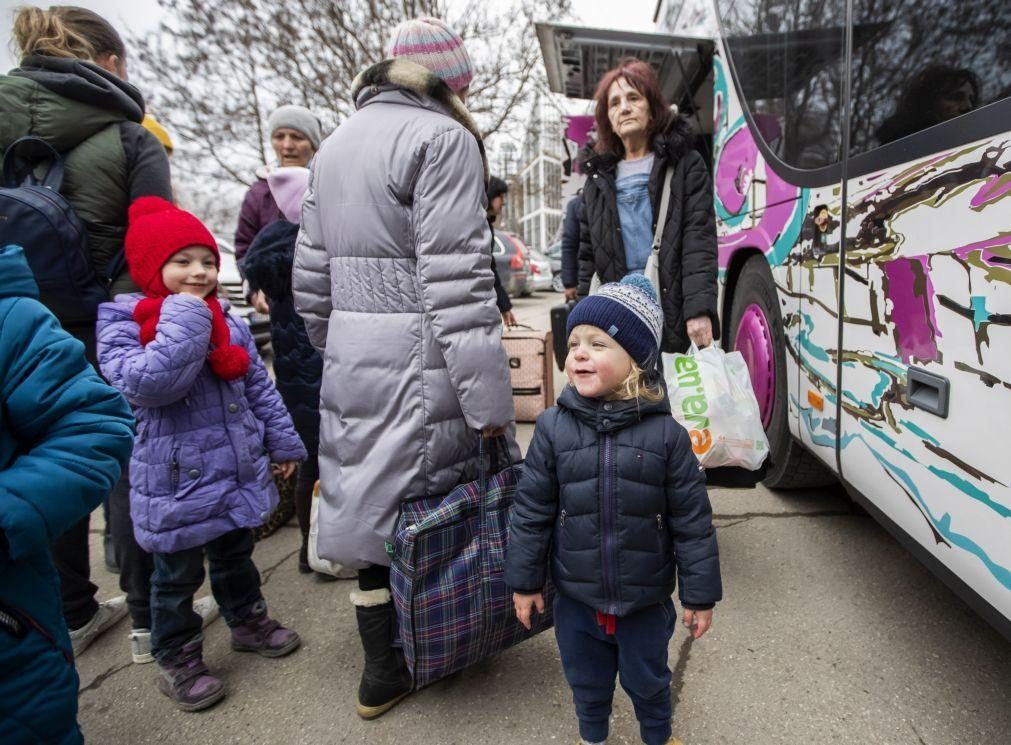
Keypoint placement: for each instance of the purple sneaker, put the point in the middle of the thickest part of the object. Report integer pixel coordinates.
(262, 634)
(186, 679)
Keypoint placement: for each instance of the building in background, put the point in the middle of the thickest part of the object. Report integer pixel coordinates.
(534, 209)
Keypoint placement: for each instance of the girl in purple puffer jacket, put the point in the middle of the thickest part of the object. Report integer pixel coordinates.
(211, 431)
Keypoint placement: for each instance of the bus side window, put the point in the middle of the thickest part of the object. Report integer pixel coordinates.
(788, 60)
(913, 70)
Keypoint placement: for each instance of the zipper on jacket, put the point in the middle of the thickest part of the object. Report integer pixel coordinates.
(561, 520)
(12, 624)
(608, 521)
(18, 622)
(175, 469)
(659, 522)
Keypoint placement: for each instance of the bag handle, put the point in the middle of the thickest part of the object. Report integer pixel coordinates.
(661, 220)
(488, 449)
(21, 158)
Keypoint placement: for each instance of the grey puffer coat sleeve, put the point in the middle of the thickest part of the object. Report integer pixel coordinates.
(310, 278)
(456, 279)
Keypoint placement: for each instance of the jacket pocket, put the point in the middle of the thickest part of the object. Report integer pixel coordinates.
(186, 469)
(256, 435)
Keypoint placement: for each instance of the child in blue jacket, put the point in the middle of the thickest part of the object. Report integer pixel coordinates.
(64, 438)
(612, 498)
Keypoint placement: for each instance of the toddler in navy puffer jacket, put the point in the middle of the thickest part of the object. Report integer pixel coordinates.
(613, 499)
(211, 432)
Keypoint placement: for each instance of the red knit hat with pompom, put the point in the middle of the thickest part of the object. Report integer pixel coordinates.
(158, 229)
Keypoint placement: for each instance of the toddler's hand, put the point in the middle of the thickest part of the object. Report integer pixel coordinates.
(285, 469)
(525, 604)
(698, 621)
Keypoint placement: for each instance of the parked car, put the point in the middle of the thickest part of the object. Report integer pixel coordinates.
(540, 271)
(231, 288)
(555, 257)
(512, 263)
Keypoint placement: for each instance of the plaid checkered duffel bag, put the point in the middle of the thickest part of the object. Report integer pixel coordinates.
(447, 576)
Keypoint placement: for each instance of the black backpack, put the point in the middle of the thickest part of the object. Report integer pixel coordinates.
(35, 216)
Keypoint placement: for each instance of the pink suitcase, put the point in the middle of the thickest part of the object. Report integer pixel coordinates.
(533, 374)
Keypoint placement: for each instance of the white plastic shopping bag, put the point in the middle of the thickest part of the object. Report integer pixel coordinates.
(711, 396)
(315, 562)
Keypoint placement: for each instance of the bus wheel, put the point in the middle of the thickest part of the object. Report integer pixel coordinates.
(756, 331)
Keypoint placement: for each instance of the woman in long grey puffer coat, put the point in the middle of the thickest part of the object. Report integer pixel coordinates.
(393, 278)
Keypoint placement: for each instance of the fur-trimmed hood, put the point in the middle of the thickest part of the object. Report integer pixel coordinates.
(670, 145)
(402, 73)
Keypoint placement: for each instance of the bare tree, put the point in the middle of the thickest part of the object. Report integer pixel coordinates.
(213, 71)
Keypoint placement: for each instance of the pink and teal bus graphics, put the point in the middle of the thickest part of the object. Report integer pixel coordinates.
(861, 155)
(871, 294)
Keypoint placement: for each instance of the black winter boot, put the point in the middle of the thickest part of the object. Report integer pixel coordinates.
(385, 679)
(303, 556)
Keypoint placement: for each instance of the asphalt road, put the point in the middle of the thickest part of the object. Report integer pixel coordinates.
(830, 632)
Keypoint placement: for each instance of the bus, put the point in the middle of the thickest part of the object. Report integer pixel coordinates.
(861, 161)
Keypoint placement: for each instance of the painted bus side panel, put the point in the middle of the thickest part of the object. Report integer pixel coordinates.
(928, 283)
(930, 240)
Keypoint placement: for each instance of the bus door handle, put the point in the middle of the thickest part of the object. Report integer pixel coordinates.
(927, 391)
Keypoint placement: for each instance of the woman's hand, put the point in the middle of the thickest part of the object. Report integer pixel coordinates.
(492, 431)
(525, 604)
(285, 469)
(259, 302)
(698, 621)
(700, 331)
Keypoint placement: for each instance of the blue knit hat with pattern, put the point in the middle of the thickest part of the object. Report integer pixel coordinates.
(629, 313)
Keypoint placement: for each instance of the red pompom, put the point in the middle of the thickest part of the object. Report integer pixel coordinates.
(229, 362)
(148, 206)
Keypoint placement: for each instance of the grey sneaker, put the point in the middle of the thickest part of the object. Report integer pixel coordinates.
(207, 608)
(140, 639)
(140, 646)
(108, 616)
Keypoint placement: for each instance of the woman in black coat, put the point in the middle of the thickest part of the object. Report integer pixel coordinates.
(638, 136)
(297, 365)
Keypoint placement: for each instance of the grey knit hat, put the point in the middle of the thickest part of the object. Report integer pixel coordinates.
(298, 118)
